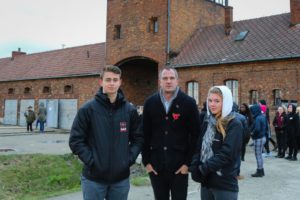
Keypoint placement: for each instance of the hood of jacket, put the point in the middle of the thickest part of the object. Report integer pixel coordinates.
(103, 98)
(293, 108)
(227, 101)
(255, 110)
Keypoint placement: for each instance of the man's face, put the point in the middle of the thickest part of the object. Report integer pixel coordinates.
(168, 81)
(110, 82)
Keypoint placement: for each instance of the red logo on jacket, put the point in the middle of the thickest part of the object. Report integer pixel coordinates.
(175, 116)
(123, 127)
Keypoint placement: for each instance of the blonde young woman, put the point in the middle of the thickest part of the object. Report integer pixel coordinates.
(214, 164)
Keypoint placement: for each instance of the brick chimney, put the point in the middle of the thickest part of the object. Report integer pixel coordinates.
(228, 19)
(295, 12)
(17, 53)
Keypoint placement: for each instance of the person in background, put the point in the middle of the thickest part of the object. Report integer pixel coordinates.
(42, 116)
(258, 130)
(171, 128)
(292, 129)
(30, 118)
(267, 133)
(267, 113)
(215, 162)
(106, 135)
(244, 110)
(279, 124)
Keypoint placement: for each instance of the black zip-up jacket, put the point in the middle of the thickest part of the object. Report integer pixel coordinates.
(107, 138)
(220, 171)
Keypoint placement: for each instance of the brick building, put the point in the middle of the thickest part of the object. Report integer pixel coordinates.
(62, 79)
(257, 58)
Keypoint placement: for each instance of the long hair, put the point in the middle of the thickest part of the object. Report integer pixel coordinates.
(247, 113)
(221, 122)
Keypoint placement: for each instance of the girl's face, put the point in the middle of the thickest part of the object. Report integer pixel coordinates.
(215, 103)
(290, 108)
(243, 108)
(280, 110)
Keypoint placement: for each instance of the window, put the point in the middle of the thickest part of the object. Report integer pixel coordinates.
(193, 90)
(117, 32)
(153, 25)
(233, 85)
(27, 90)
(68, 89)
(46, 90)
(11, 91)
(221, 2)
(277, 97)
(253, 97)
(241, 36)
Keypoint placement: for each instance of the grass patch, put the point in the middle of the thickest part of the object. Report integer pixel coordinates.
(139, 176)
(38, 176)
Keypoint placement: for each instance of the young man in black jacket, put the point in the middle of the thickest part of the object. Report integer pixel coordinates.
(106, 135)
(171, 127)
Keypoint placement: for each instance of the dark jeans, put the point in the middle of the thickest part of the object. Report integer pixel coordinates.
(216, 194)
(29, 126)
(166, 182)
(42, 126)
(93, 190)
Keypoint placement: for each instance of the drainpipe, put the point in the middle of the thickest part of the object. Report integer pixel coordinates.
(168, 34)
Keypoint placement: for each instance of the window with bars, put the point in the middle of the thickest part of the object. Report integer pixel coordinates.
(11, 91)
(193, 90)
(253, 96)
(46, 90)
(68, 89)
(27, 90)
(233, 85)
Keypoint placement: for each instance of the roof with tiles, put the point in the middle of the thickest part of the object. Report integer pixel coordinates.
(268, 38)
(75, 61)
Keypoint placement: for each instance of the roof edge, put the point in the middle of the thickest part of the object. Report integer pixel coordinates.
(52, 77)
(235, 62)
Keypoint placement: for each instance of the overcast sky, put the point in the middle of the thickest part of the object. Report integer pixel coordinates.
(42, 25)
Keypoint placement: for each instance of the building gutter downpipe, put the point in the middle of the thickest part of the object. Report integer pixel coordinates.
(169, 30)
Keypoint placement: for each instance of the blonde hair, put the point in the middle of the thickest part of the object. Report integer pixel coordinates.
(298, 110)
(221, 122)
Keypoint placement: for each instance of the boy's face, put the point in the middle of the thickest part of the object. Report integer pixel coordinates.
(110, 83)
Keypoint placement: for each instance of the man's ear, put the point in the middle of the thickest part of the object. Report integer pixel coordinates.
(100, 82)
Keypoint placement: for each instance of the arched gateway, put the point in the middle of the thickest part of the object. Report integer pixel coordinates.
(140, 78)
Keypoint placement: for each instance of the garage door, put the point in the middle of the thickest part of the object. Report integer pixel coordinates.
(10, 112)
(67, 112)
(52, 112)
(23, 108)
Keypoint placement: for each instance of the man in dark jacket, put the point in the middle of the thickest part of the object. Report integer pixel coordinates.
(107, 138)
(171, 128)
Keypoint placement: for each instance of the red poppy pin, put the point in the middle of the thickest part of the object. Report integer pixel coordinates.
(175, 116)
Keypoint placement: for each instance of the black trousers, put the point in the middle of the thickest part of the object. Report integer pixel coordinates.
(29, 126)
(292, 144)
(281, 141)
(166, 183)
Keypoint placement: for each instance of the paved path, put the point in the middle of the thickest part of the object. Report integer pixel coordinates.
(282, 180)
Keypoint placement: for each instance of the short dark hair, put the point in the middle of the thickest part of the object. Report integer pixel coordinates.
(111, 68)
(168, 68)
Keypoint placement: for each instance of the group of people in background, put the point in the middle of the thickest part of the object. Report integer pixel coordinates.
(30, 117)
(174, 139)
